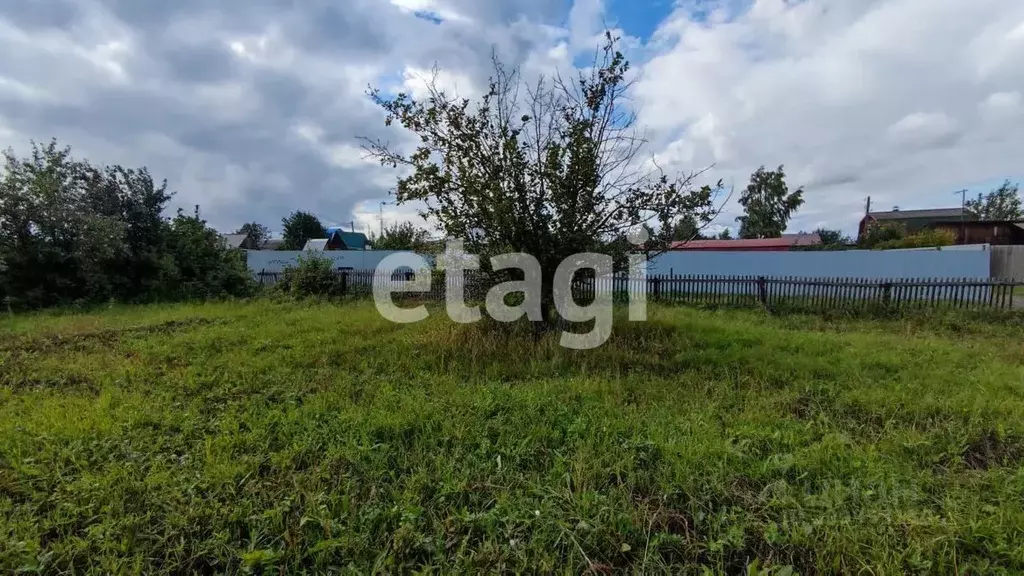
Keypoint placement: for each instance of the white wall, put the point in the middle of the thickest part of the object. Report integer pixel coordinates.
(967, 262)
(963, 263)
(278, 260)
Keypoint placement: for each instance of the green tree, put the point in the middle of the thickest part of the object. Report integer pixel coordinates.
(72, 233)
(402, 236)
(300, 227)
(57, 248)
(256, 232)
(1003, 203)
(725, 235)
(202, 267)
(833, 237)
(768, 204)
(686, 229)
(549, 169)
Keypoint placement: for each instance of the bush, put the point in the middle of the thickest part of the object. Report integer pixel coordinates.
(314, 276)
(923, 239)
(877, 234)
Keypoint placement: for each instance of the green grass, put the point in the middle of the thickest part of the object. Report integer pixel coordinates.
(290, 437)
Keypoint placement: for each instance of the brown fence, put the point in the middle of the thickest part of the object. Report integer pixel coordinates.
(766, 291)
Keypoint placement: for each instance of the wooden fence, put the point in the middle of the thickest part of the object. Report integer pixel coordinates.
(766, 291)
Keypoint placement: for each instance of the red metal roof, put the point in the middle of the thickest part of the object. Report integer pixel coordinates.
(784, 243)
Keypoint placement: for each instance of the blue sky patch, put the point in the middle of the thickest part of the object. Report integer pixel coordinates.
(428, 16)
(639, 18)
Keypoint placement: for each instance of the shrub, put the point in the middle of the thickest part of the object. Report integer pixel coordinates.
(877, 234)
(923, 239)
(314, 276)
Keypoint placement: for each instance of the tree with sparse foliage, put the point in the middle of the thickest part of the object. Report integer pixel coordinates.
(401, 236)
(767, 204)
(1003, 203)
(298, 228)
(257, 233)
(549, 168)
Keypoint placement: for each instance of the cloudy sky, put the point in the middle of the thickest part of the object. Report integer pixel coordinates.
(253, 108)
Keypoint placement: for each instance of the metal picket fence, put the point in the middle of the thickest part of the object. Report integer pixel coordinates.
(766, 291)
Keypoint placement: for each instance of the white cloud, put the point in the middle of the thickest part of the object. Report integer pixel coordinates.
(431, 7)
(1001, 106)
(415, 81)
(256, 109)
(922, 129)
(877, 98)
(340, 154)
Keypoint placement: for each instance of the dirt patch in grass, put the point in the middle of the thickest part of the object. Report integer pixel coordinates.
(90, 340)
(66, 383)
(991, 451)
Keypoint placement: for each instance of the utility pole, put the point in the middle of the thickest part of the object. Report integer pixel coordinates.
(383, 202)
(963, 221)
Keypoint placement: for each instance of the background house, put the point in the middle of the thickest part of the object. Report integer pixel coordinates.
(915, 220)
(237, 241)
(338, 239)
(272, 244)
(995, 232)
(782, 244)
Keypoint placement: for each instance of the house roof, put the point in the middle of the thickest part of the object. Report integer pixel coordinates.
(272, 244)
(915, 214)
(803, 239)
(352, 240)
(786, 241)
(234, 240)
(316, 244)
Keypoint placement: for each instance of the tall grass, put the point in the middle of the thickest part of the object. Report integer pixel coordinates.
(282, 437)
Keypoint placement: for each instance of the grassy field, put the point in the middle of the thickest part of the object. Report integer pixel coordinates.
(287, 437)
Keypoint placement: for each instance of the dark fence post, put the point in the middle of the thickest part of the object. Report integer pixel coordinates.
(657, 287)
(886, 292)
(344, 281)
(762, 290)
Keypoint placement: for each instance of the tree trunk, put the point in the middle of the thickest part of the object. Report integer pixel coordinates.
(547, 301)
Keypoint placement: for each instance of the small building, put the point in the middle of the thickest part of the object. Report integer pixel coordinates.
(272, 244)
(237, 242)
(995, 232)
(338, 239)
(784, 243)
(915, 220)
(319, 244)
